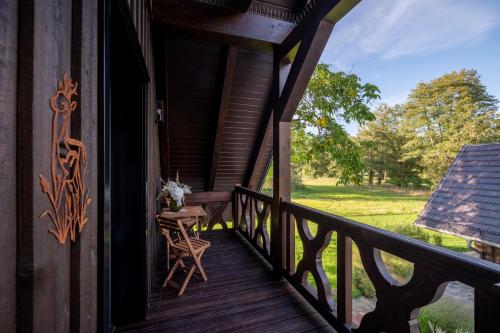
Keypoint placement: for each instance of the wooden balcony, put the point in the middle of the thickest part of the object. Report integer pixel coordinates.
(251, 288)
(241, 295)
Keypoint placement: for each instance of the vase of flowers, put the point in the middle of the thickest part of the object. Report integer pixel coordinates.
(172, 193)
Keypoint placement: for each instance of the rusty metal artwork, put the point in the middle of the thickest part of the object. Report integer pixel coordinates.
(66, 190)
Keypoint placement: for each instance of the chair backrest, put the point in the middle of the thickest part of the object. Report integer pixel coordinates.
(171, 228)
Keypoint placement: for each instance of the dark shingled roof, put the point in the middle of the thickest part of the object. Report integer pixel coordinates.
(467, 202)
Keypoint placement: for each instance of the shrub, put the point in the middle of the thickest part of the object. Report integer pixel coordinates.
(438, 239)
(361, 281)
(413, 232)
(400, 268)
(447, 315)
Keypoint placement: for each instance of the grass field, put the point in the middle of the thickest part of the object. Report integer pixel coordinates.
(381, 207)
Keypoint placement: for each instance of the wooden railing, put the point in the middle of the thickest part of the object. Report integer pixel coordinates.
(251, 214)
(398, 304)
(215, 203)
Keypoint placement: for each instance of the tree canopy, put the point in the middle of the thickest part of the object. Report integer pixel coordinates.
(443, 115)
(321, 143)
(383, 144)
(411, 143)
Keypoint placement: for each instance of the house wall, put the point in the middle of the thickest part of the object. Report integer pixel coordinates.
(56, 285)
(488, 252)
(8, 77)
(46, 286)
(141, 15)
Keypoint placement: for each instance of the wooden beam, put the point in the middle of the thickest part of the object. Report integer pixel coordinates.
(266, 137)
(294, 80)
(208, 197)
(328, 10)
(260, 153)
(244, 5)
(308, 23)
(304, 45)
(195, 16)
(305, 62)
(232, 54)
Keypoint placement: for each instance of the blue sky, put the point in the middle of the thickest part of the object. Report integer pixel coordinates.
(397, 43)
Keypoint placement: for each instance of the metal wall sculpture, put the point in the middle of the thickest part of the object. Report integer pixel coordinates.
(66, 190)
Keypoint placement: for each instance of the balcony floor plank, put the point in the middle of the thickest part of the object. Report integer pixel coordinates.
(241, 295)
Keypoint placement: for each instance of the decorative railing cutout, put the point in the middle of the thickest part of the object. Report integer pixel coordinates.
(66, 190)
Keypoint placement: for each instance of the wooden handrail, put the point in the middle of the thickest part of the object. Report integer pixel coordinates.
(455, 265)
(397, 304)
(254, 194)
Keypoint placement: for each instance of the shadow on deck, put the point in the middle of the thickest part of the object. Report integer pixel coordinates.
(241, 295)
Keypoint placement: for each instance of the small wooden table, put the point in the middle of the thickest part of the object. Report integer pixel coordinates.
(189, 216)
(186, 216)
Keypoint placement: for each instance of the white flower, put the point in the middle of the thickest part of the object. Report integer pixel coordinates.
(186, 188)
(176, 190)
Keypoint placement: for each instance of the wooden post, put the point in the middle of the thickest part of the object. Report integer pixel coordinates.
(281, 166)
(344, 278)
(289, 84)
(251, 211)
(236, 208)
(290, 242)
(487, 310)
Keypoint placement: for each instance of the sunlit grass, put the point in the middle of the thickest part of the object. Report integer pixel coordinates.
(381, 207)
(378, 206)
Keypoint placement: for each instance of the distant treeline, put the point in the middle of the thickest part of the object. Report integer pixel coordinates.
(412, 143)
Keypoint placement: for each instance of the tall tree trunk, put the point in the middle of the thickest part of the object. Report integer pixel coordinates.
(380, 176)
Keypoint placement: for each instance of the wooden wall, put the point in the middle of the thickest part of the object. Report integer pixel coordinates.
(8, 77)
(488, 252)
(141, 15)
(56, 284)
(46, 286)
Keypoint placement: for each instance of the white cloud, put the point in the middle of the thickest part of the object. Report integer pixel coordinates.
(387, 29)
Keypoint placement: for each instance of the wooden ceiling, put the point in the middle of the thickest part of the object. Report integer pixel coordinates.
(216, 100)
(218, 61)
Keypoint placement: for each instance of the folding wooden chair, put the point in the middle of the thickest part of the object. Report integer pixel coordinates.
(183, 246)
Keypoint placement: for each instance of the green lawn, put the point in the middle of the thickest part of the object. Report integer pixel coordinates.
(378, 206)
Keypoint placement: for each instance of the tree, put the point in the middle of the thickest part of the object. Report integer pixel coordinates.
(322, 144)
(443, 115)
(383, 145)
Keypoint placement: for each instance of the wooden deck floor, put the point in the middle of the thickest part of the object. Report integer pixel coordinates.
(240, 296)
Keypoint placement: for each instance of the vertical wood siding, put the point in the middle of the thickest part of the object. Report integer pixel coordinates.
(56, 284)
(85, 253)
(141, 13)
(8, 77)
(45, 286)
